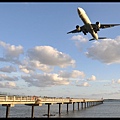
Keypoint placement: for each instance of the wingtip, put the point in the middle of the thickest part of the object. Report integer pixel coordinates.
(68, 32)
(91, 39)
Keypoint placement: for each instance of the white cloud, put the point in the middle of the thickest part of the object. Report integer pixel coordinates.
(11, 51)
(4, 77)
(8, 85)
(43, 58)
(73, 74)
(24, 69)
(118, 81)
(106, 51)
(84, 84)
(77, 73)
(28, 66)
(43, 80)
(80, 38)
(92, 78)
(14, 51)
(12, 84)
(113, 81)
(8, 69)
(79, 41)
(43, 67)
(50, 56)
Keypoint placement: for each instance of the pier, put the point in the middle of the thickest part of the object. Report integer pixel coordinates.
(11, 101)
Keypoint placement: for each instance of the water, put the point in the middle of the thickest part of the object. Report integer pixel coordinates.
(105, 110)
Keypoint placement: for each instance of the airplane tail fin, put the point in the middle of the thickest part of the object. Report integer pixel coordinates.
(98, 38)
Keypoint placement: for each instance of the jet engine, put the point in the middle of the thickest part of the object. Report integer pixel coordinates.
(98, 24)
(78, 27)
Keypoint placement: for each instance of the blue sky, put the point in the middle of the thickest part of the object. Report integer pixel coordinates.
(38, 57)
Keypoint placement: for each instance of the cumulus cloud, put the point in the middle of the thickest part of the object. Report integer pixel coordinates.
(106, 51)
(25, 69)
(11, 51)
(8, 85)
(43, 80)
(118, 81)
(29, 66)
(43, 58)
(84, 84)
(8, 69)
(113, 81)
(79, 41)
(50, 56)
(4, 77)
(73, 74)
(80, 38)
(92, 78)
(38, 65)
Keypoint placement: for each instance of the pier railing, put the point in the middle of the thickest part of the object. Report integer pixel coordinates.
(37, 100)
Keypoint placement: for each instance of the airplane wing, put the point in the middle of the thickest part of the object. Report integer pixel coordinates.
(74, 31)
(108, 25)
(78, 29)
(103, 26)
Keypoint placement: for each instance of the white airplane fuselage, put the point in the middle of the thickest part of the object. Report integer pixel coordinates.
(82, 14)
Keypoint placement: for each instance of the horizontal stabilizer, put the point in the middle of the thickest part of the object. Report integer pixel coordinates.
(98, 38)
(102, 38)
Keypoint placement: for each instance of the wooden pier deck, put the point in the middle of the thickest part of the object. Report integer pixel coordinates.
(10, 101)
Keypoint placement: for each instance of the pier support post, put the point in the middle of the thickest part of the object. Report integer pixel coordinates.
(90, 104)
(59, 108)
(81, 105)
(49, 109)
(84, 104)
(78, 105)
(87, 104)
(73, 105)
(32, 112)
(7, 110)
(67, 106)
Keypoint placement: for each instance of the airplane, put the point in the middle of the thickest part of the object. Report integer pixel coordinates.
(88, 27)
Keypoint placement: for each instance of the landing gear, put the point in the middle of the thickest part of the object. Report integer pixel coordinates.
(84, 32)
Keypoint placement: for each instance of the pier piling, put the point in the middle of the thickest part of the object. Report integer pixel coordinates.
(59, 108)
(78, 105)
(32, 112)
(7, 110)
(67, 107)
(49, 109)
(81, 105)
(73, 106)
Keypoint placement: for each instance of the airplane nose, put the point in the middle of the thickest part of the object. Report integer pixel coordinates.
(80, 11)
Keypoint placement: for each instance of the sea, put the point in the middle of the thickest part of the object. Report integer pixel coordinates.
(109, 109)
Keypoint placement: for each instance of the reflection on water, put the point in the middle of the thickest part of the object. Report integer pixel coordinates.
(105, 110)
